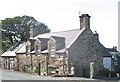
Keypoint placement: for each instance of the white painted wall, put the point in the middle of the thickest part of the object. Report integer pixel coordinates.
(107, 62)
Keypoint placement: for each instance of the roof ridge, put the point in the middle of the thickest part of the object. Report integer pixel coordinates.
(65, 30)
(58, 32)
(76, 37)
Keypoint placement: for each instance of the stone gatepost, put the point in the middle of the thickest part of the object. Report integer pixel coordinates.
(92, 69)
(72, 70)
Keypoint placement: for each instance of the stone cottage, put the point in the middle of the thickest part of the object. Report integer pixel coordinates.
(114, 60)
(59, 52)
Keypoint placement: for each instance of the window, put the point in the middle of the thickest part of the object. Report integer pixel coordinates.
(52, 56)
(28, 46)
(28, 50)
(51, 47)
(37, 47)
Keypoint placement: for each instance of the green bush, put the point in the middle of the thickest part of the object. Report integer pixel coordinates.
(104, 72)
(42, 70)
(66, 74)
(35, 70)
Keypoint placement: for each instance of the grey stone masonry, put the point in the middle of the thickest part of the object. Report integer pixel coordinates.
(84, 50)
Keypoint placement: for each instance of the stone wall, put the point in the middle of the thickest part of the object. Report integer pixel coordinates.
(57, 63)
(47, 62)
(27, 63)
(8, 63)
(3, 63)
(83, 51)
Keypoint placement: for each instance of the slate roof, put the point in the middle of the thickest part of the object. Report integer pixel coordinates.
(11, 51)
(22, 49)
(59, 39)
(8, 54)
(106, 54)
(44, 40)
(67, 36)
(32, 40)
(58, 51)
(112, 51)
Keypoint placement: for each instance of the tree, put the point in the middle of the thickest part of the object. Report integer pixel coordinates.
(17, 29)
(0, 38)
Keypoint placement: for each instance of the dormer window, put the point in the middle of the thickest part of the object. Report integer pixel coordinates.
(51, 46)
(37, 47)
(28, 45)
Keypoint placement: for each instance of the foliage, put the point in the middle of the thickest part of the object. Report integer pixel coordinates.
(17, 29)
(113, 74)
(0, 39)
(104, 72)
(66, 74)
(43, 70)
(72, 64)
(35, 70)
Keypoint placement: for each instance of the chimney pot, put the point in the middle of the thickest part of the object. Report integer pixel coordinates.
(96, 35)
(115, 47)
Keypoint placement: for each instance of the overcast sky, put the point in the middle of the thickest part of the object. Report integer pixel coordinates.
(61, 15)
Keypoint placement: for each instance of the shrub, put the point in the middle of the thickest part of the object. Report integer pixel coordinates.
(66, 75)
(42, 70)
(104, 72)
(35, 70)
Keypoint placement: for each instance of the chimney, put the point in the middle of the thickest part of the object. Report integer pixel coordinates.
(96, 35)
(115, 47)
(84, 21)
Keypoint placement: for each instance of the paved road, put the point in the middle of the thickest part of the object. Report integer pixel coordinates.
(9, 75)
(0, 75)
